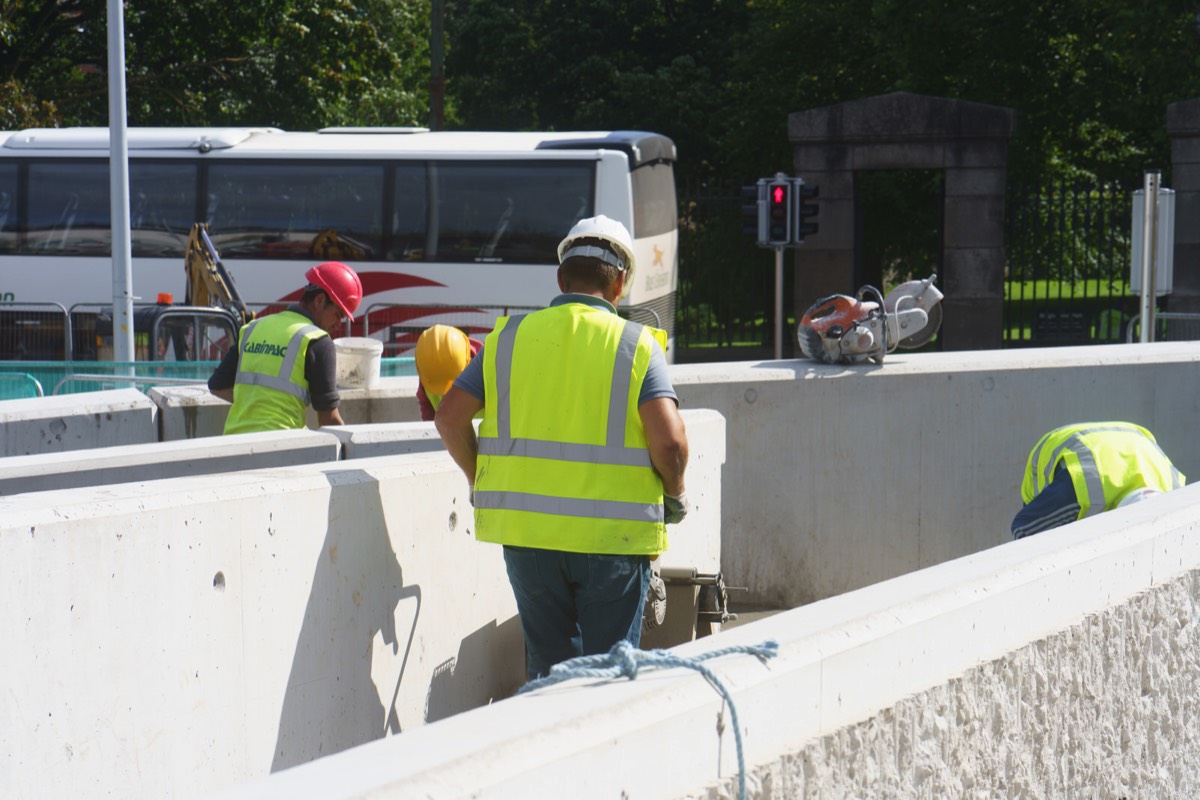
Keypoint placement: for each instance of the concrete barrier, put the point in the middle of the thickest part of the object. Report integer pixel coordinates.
(188, 412)
(101, 466)
(75, 422)
(1062, 665)
(175, 637)
(386, 438)
(839, 477)
(863, 473)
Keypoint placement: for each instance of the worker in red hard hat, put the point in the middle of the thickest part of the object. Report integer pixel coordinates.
(443, 352)
(285, 362)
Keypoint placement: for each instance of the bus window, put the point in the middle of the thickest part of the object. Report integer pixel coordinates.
(507, 210)
(409, 210)
(285, 210)
(68, 212)
(654, 204)
(162, 207)
(9, 230)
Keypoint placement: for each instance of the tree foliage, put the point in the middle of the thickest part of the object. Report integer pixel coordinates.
(290, 63)
(602, 65)
(1089, 79)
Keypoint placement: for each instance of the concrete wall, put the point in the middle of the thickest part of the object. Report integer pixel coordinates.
(100, 466)
(187, 412)
(78, 421)
(1060, 666)
(386, 438)
(839, 477)
(172, 637)
(843, 476)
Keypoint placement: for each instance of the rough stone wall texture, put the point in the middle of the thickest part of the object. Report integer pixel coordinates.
(1106, 709)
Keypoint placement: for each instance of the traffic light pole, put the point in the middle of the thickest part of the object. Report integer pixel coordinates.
(778, 303)
(777, 209)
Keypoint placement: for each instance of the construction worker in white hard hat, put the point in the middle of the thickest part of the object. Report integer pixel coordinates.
(579, 463)
(1079, 470)
(443, 351)
(287, 361)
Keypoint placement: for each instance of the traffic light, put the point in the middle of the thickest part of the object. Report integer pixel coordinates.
(779, 212)
(806, 209)
(750, 210)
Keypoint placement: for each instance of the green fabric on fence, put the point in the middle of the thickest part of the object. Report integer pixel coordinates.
(17, 377)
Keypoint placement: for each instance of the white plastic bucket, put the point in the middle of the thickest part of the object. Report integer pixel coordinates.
(358, 361)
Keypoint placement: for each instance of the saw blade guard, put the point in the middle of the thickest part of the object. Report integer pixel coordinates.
(914, 312)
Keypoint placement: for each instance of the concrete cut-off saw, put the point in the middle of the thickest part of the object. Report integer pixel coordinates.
(850, 330)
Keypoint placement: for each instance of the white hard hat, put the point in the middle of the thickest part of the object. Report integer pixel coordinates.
(1137, 495)
(611, 231)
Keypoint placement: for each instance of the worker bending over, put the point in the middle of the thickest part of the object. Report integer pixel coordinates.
(285, 362)
(443, 351)
(1083, 469)
(581, 452)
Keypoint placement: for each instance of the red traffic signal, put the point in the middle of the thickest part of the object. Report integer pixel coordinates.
(779, 213)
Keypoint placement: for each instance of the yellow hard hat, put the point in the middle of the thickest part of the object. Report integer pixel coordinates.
(442, 353)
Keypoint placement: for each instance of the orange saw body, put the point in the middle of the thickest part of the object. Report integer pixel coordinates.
(850, 330)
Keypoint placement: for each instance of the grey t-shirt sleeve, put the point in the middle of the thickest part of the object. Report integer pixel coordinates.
(658, 379)
(470, 380)
(320, 368)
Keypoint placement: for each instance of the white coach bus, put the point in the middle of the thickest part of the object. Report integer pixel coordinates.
(441, 226)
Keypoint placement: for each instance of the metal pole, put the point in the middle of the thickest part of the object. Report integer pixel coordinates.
(122, 249)
(437, 77)
(778, 303)
(1149, 252)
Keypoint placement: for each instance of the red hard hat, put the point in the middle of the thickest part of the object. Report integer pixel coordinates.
(339, 282)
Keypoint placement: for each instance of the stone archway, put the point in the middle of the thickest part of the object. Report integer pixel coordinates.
(968, 141)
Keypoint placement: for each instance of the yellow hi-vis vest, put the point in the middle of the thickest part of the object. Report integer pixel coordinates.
(270, 391)
(1106, 461)
(563, 462)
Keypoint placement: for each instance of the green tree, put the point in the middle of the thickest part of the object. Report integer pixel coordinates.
(1089, 79)
(289, 63)
(603, 65)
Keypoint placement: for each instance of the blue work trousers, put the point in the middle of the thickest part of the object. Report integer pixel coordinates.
(574, 604)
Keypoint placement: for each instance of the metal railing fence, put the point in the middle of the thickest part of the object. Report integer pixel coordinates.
(1067, 253)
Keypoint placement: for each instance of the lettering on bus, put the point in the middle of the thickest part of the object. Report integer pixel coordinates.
(657, 281)
(7, 297)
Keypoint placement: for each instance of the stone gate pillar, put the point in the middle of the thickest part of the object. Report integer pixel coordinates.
(969, 141)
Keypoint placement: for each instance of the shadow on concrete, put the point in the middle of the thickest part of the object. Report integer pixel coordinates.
(452, 691)
(803, 366)
(332, 701)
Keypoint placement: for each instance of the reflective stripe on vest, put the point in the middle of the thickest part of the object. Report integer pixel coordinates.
(563, 459)
(613, 451)
(1095, 501)
(264, 397)
(283, 380)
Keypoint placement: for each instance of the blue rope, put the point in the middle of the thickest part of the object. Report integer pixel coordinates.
(624, 660)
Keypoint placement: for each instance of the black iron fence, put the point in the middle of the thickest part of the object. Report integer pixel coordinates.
(1067, 248)
(1066, 280)
(726, 303)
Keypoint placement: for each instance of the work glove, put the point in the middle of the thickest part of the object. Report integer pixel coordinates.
(675, 508)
